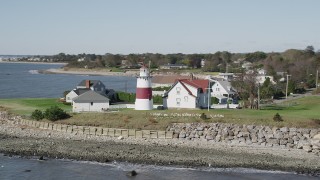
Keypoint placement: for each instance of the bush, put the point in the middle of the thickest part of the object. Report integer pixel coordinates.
(277, 117)
(37, 115)
(203, 116)
(214, 100)
(55, 113)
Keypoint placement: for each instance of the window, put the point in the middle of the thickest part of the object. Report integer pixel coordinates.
(91, 103)
(178, 100)
(178, 90)
(186, 99)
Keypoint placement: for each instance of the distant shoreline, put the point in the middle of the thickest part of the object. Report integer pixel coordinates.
(94, 73)
(24, 62)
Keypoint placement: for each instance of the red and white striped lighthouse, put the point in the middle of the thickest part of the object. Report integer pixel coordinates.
(144, 99)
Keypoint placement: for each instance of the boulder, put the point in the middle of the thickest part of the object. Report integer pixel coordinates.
(284, 129)
(307, 148)
(317, 136)
(132, 173)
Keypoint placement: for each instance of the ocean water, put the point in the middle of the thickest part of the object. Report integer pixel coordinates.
(15, 168)
(21, 80)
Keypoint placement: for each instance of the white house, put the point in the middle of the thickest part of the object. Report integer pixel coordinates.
(90, 101)
(75, 93)
(187, 93)
(222, 90)
(87, 85)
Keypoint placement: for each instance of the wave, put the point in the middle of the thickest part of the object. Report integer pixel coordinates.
(33, 71)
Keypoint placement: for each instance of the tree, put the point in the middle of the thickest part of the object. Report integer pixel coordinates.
(267, 89)
(55, 113)
(310, 50)
(37, 115)
(247, 87)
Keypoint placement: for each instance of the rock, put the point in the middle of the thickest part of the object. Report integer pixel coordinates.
(120, 137)
(182, 135)
(199, 128)
(313, 132)
(132, 173)
(307, 148)
(209, 137)
(283, 142)
(41, 158)
(218, 138)
(284, 129)
(200, 133)
(316, 136)
(315, 147)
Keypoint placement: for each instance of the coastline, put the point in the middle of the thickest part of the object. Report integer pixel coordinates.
(24, 62)
(93, 73)
(27, 141)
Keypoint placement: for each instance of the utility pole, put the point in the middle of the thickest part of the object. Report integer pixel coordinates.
(317, 76)
(287, 86)
(259, 96)
(208, 94)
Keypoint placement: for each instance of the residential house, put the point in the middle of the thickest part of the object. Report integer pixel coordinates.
(226, 76)
(185, 93)
(75, 93)
(262, 76)
(90, 101)
(94, 85)
(222, 90)
(90, 85)
(173, 66)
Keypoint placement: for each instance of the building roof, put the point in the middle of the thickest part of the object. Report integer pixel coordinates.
(227, 86)
(80, 91)
(92, 82)
(197, 83)
(90, 96)
(168, 79)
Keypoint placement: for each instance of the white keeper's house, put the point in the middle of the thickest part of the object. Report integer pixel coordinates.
(185, 93)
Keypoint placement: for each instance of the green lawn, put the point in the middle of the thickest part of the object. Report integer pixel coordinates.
(28, 105)
(304, 112)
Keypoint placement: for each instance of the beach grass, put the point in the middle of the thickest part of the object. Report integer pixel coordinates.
(303, 112)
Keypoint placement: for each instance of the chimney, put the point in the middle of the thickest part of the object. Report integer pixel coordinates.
(87, 83)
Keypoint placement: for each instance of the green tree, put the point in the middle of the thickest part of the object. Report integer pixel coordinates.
(55, 113)
(37, 115)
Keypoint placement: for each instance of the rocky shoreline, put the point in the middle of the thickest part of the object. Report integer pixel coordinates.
(27, 141)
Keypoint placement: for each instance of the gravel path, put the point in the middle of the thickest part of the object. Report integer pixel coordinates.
(27, 141)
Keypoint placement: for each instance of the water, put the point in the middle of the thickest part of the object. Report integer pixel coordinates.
(20, 80)
(21, 168)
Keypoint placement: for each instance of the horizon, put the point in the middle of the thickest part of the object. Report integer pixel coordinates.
(166, 27)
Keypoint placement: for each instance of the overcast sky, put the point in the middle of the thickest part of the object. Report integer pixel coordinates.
(47, 27)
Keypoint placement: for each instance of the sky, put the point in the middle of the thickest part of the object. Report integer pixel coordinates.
(48, 27)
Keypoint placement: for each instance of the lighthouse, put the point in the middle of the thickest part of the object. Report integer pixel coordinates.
(144, 92)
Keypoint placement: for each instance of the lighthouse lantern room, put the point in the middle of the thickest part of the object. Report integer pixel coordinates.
(144, 99)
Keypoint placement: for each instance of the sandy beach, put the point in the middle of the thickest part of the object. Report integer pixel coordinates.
(26, 141)
(89, 72)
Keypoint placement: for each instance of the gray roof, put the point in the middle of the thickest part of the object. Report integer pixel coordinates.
(81, 90)
(227, 86)
(91, 96)
(92, 82)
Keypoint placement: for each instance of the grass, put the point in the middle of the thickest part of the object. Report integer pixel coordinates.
(28, 105)
(304, 112)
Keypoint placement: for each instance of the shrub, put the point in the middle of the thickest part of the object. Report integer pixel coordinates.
(55, 113)
(37, 115)
(277, 117)
(203, 116)
(214, 100)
